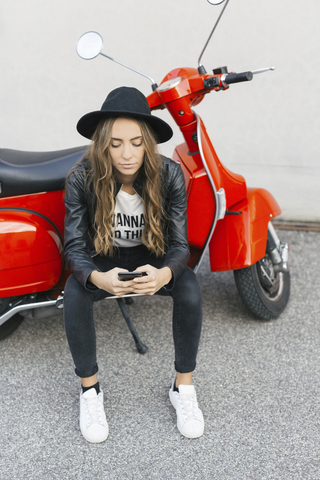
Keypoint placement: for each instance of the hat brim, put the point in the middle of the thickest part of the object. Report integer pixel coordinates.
(87, 124)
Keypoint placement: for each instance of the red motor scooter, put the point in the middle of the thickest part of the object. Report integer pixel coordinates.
(32, 270)
(233, 221)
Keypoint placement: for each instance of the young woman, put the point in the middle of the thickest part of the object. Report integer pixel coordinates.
(126, 210)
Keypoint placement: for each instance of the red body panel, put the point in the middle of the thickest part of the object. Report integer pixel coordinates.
(31, 256)
(240, 240)
(233, 183)
(201, 203)
(49, 204)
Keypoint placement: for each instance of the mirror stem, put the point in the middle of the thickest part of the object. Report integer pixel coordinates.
(200, 67)
(154, 85)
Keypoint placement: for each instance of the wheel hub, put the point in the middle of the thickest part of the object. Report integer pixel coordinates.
(266, 272)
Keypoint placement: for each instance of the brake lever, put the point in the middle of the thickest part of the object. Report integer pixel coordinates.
(262, 70)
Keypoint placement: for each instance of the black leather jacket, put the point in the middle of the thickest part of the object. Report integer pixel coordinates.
(79, 222)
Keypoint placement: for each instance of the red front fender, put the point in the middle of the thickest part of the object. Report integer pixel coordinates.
(240, 240)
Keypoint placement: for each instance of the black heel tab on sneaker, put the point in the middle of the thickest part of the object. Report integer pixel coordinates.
(96, 386)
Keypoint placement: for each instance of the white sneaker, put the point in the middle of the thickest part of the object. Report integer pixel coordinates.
(190, 421)
(93, 422)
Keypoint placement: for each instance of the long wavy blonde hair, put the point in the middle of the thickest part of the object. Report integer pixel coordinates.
(102, 180)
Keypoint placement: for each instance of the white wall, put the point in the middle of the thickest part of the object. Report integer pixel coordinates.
(267, 129)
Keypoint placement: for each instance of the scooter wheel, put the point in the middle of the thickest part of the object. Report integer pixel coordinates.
(10, 325)
(265, 292)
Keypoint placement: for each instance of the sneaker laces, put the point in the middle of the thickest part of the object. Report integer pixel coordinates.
(189, 406)
(93, 408)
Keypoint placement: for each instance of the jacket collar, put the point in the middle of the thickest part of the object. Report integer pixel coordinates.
(137, 185)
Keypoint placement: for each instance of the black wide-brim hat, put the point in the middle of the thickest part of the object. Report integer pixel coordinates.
(125, 102)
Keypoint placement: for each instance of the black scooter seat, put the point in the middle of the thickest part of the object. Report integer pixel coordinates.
(23, 173)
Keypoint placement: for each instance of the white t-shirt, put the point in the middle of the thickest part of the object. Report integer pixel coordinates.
(129, 220)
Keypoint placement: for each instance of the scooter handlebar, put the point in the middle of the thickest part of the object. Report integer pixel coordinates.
(229, 78)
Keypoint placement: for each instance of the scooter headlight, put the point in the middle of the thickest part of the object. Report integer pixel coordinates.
(169, 84)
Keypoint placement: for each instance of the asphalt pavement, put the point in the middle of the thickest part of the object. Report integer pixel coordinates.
(257, 382)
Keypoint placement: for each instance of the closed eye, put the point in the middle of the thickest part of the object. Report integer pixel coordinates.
(132, 140)
(134, 144)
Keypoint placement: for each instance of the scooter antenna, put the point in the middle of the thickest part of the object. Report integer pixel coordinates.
(201, 68)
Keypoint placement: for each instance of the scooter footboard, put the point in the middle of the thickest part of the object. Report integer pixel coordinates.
(31, 254)
(240, 238)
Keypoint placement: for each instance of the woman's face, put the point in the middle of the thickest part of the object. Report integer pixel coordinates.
(126, 149)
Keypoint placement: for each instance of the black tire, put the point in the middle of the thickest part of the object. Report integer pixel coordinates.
(10, 325)
(265, 296)
(13, 323)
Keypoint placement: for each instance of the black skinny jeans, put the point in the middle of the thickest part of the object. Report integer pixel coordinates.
(78, 312)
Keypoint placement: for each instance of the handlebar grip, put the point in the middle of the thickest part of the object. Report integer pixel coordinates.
(238, 77)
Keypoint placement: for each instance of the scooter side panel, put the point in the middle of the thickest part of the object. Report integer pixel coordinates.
(48, 204)
(240, 240)
(233, 183)
(31, 255)
(26, 280)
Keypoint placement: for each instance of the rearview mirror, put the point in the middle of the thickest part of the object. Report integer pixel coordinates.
(89, 45)
(215, 2)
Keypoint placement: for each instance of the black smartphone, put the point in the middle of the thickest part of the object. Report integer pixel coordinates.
(124, 276)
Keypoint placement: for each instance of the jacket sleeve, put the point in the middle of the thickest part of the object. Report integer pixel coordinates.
(178, 253)
(77, 243)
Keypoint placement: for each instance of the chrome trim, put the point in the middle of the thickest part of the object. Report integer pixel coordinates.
(274, 235)
(285, 254)
(262, 70)
(174, 82)
(23, 307)
(280, 255)
(222, 203)
(126, 296)
(283, 265)
(275, 253)
(128, 66)
(58, 303)
(215, 193)
(223, 78)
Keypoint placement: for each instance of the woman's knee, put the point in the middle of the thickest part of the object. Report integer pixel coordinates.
(78, 303)
(187, 288)
(72, 285)
(74, 291)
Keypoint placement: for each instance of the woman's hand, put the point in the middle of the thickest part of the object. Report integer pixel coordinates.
(110, 282)
(155, 279)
